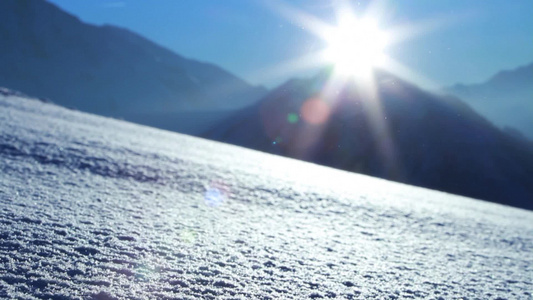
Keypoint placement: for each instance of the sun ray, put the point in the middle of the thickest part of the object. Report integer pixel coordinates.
(355, 48)
(408, 31)
(408, 74)
(311, 61)
(306, 21)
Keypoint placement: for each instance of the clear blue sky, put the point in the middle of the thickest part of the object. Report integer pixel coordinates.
(479, 38)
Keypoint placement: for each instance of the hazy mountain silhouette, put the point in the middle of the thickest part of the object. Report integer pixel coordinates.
(418, 138)
(46, 52)
(506, 99)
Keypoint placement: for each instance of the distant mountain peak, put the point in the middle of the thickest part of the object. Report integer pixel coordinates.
(517, 76)
(505, 98)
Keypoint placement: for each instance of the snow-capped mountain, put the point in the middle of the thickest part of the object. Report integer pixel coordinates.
(48, 53)
(404, 134)
(97, 208)
(505, 99)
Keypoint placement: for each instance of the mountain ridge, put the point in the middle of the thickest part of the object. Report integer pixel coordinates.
(107, 70)
(505, 98)
(503, 75)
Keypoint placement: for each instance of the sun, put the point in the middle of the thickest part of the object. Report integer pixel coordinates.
(358, 41)
(355, 47)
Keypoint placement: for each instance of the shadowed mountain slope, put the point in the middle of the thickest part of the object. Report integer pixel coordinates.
(48, 53)
(404, 134)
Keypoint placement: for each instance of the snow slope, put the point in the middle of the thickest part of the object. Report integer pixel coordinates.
(98, 208)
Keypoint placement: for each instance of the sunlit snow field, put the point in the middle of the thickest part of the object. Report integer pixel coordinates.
(92, 207)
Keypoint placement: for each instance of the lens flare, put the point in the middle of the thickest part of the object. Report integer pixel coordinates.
(216, 194)
(315, 111)
(188, 236)
(292, 118)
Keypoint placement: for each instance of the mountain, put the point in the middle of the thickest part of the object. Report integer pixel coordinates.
(403, 133)
(46, 52)
(505, 99)
(97, 208)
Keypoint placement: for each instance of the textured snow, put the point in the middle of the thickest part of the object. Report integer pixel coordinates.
(99, 208)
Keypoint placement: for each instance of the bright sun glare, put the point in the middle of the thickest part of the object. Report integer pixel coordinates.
(355, 47)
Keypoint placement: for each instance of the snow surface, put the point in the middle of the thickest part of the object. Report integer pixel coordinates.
(98, 208)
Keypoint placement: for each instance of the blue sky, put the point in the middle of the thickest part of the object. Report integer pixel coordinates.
(473, 40)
